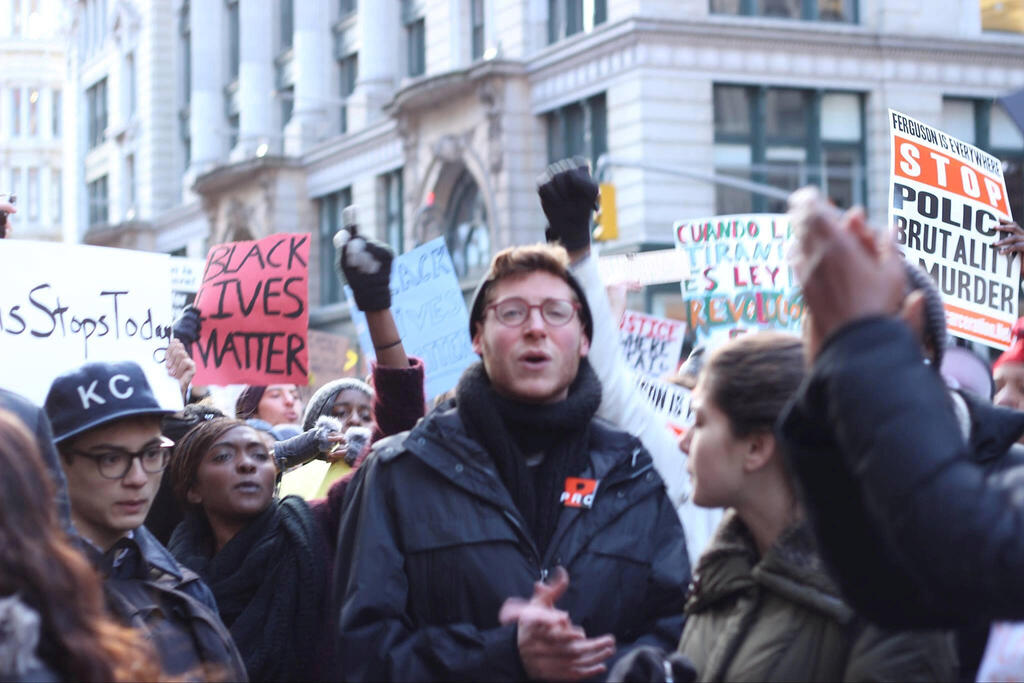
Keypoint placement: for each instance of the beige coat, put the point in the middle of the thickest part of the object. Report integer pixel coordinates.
(781, 618)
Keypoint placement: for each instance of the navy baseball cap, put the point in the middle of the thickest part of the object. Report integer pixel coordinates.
(95, 394)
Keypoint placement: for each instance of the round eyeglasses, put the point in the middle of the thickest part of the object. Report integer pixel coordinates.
(115, 463)
(514, 311)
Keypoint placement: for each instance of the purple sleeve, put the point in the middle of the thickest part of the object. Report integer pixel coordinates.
(399, 402)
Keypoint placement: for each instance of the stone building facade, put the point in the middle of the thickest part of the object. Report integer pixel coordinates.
(436, 116)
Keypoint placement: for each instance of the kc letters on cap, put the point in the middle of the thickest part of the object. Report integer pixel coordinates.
(96, 394)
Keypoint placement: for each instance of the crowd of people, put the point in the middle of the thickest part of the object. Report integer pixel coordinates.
(844, 506)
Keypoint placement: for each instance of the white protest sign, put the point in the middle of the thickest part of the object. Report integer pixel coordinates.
(645, 267)
(945, 198)
(651, 345)
(671, 401)
(740, 278)
(63, 305)
(186, 276)
(430, 313)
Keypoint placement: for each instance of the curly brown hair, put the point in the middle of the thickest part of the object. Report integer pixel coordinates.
(77, 638)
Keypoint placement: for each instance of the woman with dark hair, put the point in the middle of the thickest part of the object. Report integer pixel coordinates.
(52, 620)
(763, 606)
(276, 404)
(264, 559)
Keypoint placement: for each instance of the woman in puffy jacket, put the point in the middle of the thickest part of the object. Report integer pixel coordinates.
(762, 606)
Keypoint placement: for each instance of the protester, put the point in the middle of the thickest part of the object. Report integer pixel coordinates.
(106, 425)
(52, 622)
(1008, 371)
(276, 404)
(762, 569)
(397, 391)
(265, 559)
(567, 195)
(927, 534)
(166, 512)
(446, 525)
(36, 421)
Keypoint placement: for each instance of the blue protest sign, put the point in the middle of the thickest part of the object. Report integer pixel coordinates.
(430, 313)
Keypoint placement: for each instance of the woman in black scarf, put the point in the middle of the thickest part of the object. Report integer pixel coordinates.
(265, 559)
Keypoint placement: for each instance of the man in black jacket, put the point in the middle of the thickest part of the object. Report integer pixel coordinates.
(921, 526)
(451, 526)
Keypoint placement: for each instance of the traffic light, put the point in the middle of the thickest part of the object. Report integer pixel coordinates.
(606, 216)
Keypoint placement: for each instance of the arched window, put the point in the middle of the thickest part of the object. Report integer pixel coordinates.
(466, 231)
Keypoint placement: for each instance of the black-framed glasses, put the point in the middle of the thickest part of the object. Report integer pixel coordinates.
(115, 463)
(514, 311)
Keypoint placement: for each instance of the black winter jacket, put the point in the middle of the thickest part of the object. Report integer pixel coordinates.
(919, 528)
(431, 545)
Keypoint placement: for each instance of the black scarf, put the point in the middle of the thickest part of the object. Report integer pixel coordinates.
(270, 583)
(510, 431)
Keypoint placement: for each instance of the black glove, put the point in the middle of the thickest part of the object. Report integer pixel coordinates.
(568, 196)
(186, 327)
(647, 664)
(366, 265)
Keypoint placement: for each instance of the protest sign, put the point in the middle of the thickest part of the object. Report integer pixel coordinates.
(63, 305)
(740, 280)
(651, 345)
(430, 314)
(253, 304)
(186, 276)
(669, 400)
(645, 267)
(945, 199)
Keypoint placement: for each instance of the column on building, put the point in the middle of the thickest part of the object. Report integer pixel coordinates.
(256, 91)
(207, 123)
(380, 45)
(312, 70)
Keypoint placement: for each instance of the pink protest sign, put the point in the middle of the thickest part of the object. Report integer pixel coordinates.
(255, 314)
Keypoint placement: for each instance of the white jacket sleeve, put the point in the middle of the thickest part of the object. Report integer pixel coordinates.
(623, 405)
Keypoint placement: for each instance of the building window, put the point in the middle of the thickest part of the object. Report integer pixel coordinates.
(476, 22)
(16, 189)
(568, 17)
(347, 7)
(466, 229)
(56, 193)
(129, 182)
(185, 36)
(32, 194)
(129, 74)
(348, 70)
(414, 19)
(33, 112)
(56, 114)
(231, 113)
(287, 19)
(96, 105)
(330, 208)
(97, 193)
(985, 124)
(809, 10)
(16, 17)
(787, 138)
(234, 55)
(394, 214)
(578, 128)
(16, 111)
